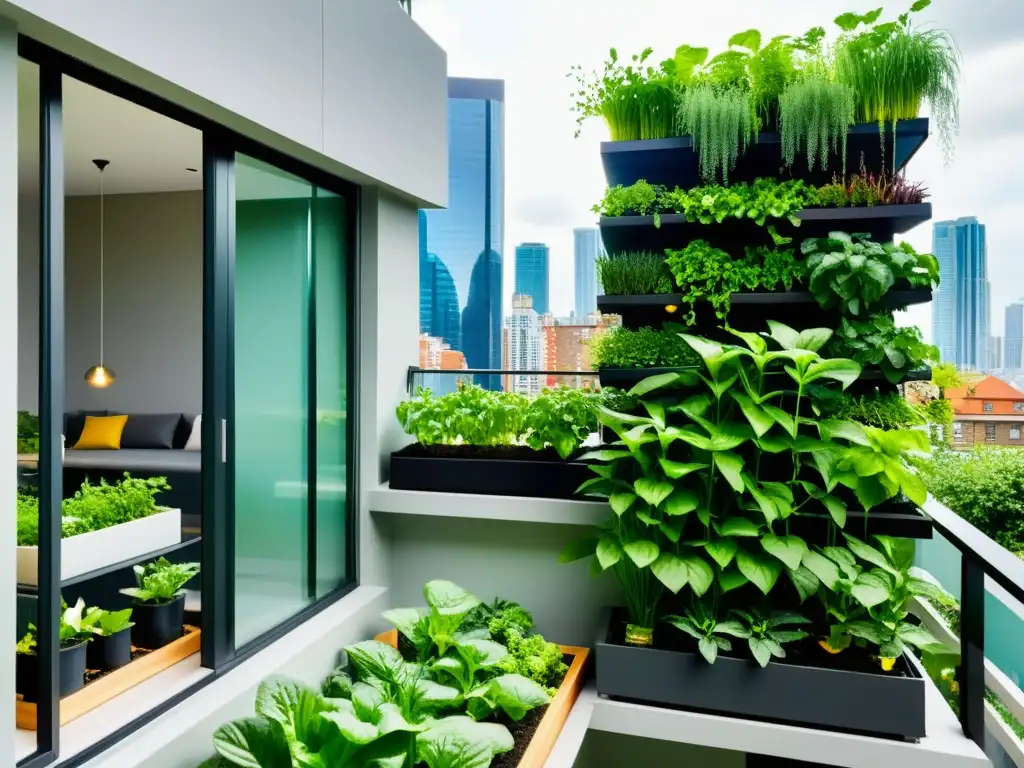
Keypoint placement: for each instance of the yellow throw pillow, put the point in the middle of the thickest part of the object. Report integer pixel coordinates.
(101, 433)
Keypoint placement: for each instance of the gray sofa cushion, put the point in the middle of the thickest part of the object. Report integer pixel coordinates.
(150, 430)
(135, 460)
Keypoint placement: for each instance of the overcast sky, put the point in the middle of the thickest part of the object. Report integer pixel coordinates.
(552, 179)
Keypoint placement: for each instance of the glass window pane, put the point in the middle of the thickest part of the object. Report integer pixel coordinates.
(271, 394)
(331, 261)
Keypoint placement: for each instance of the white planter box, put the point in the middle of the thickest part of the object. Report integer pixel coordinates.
(97, 549)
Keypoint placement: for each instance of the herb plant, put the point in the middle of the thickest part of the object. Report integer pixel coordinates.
(107, 623)
(884, 411)
(711, 635)
(722, 124)
(633, 274)
(638, 199)
(878, 341)
(814, 116)
(643, 348)
(766, 635)
(471, 415)
(561, 418)
(160, 581)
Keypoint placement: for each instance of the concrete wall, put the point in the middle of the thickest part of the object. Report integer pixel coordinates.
(153, 302)
(355, 80)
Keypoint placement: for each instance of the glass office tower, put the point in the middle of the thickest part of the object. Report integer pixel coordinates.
(587, 249)
(532, 261)
(960, 312)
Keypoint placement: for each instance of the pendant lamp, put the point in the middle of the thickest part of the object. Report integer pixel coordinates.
(100, 376)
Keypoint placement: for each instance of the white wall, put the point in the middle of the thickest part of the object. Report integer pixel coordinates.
(153, 302)
(356, 80)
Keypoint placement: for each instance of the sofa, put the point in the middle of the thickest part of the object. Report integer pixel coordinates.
(152, 445)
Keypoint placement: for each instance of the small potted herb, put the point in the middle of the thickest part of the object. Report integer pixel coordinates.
(73, 637)
(159, 602)
(111, 645)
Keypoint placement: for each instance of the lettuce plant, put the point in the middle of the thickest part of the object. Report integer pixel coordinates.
(436, 627)
(107, 623)
(73, 629)
(160, 581)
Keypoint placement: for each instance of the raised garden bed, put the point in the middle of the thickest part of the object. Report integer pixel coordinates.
(96, 549)
(102, 687)
(847, 692)
(490, 470)
(673, 162)
(638, 233)
(536, 734)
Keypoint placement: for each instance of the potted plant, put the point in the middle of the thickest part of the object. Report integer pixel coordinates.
(159, 607)
(111, 645)
(73, 635)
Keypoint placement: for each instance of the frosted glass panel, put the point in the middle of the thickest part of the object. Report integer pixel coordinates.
(271, 396)
(330, 265)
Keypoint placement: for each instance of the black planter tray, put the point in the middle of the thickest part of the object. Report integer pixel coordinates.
(638, 233)
(411, 470)
(798, 309)
(673, 162)
(819, 697)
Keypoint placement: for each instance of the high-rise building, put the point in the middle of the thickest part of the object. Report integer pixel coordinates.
(1013, 359)
(587, 249)
(566, 346)
(532, 270)
(960, 310)
(995, 353)
(523, 347)
(460, 246)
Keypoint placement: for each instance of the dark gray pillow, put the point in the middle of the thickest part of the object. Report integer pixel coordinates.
(150, 430)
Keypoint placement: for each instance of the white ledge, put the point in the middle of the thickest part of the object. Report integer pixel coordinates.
(570, 739)
(524, 509)
(944, 747)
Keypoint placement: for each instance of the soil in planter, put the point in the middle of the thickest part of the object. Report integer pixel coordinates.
(805, 653)
(505, 452)
(522, 732)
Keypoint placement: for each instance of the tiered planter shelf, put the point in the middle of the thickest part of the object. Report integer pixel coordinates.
(673, 162)
(638, 233)
(891, 705)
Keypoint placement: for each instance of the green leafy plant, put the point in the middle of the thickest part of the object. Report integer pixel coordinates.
(160, 581)
(767, 634)
(707, 274)
(762, 200)
(878, 341)
(107, 623)
(711, 635)
(895, 67)
(434, 629)
(642, 348)
(638, 199)
(533, 657)
(814, 116)
(852, 274)
(832, 195)
(881, 410)
(72, 630)
(502, 618)
(561, 418)
(471, 415)
(636, 273)
(28, 432)
(722, 125)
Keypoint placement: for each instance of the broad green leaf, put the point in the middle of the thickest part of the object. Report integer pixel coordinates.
(516, 695)
(782, 418)
(832, 429)
(836, 509)
(844, 559)
(805, 582)
(707, 350)
(596, 486)
(609, 551)
(789, 549)
(461, 742)
(652, 491)
(604, 455)
(844, 371)
(760, 421)
(702, 575)
(676, 470)
(824, 569)
(642, 552)
(673, 529)
(869, 590)
(656, 411)
(484, 653)
(750, 39)
(786, 337)
(738, 526)
(729, 435)
(670, 571)
(762, 570)
(722, 551)
(253, 743)
(687, 59)
(900, 552)
(867, 630)
(731, 467)
(621, 502)
(448, 598)
(915, 635)
(761, 651)
(730, 579)
(577, 549)
(867, 464)
(929, 589)
(680, 502)
(351, 727)
(869, 553)
(755, 341)
(708, 649)
(813, 339)
(405, 620)
(652, 383)
(775, 443)
(370, 658)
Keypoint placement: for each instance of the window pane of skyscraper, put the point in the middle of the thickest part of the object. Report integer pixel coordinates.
(586, 250)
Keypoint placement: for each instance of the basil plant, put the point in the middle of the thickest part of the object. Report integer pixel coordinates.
(703, 482)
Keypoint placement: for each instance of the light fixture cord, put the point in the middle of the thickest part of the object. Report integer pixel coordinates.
(101, 266)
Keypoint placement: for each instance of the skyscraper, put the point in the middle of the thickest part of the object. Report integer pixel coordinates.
(523, 346)
(586, 250)
(1014, 332)
(460, 246)
(960, 311)
(995, 353)
(532, 274)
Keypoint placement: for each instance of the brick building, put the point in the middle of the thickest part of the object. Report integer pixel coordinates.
(988, 411)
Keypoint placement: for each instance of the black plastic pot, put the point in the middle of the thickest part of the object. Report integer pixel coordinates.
(106, 653)
(157, 624)
(71, 672)
(872, 703)
(494, 477)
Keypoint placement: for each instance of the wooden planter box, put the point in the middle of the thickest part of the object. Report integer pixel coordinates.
(114, 683)
(816, 697)
(558, 710)
(107, 546)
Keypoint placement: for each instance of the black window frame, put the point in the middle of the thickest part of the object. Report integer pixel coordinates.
(219, 653)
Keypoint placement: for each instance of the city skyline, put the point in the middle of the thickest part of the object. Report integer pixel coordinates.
(587, 249)
(461, 246)
(532, 273)
(961, 315)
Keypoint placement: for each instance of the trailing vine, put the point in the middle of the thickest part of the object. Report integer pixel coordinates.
(814, 115)
(722, 124)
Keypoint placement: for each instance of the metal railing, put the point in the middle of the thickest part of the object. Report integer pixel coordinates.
(415, 371)
(980, 557)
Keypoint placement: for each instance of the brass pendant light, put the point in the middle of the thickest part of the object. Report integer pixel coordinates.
(100, 376)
